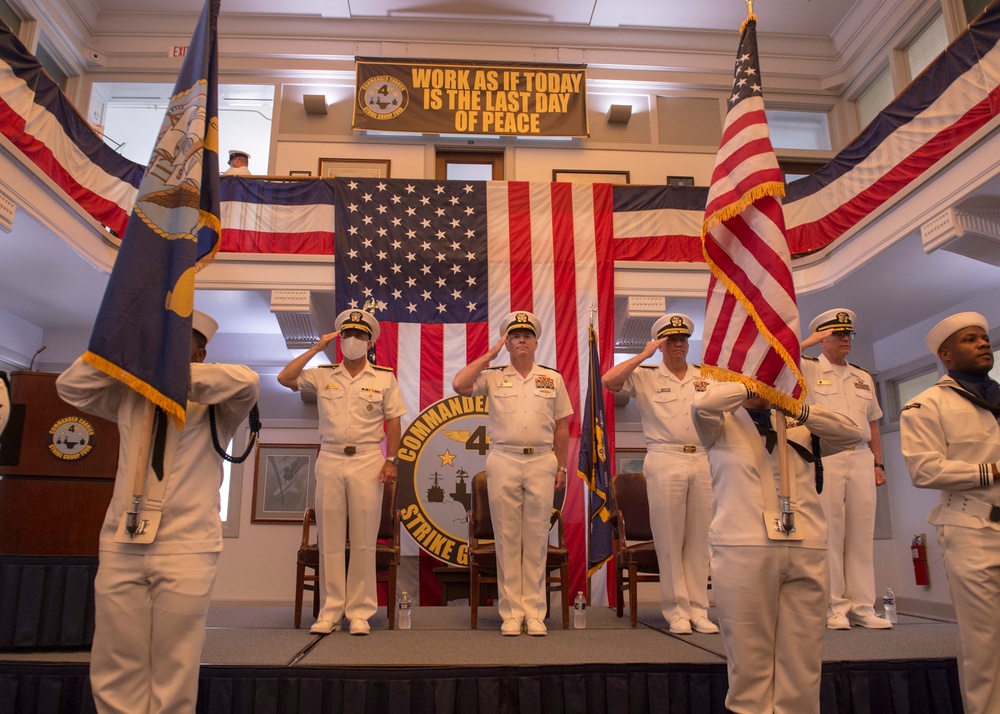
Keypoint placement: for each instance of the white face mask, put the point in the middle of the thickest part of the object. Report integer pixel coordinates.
(353, 347)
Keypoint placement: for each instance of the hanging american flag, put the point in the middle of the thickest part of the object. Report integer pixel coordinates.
(445, 261)
(751, 318)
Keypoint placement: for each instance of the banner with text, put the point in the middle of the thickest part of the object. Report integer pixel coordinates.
(471, 98)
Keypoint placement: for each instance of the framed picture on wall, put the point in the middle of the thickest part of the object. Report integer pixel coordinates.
(586, 176)
(300, 173)
(284, 482)
(629, 461)
(680, 180)
(354, 168)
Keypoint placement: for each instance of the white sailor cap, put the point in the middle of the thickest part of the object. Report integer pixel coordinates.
(950, 325)
(521, 320)
(238, 152)
(673, 323)
(839, 319)
(358, 320)
(204, 323)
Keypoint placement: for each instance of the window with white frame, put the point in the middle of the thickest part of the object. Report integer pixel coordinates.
(875, 97)
(902, 384)
(130, 116)
(792, 129)
(931, 42)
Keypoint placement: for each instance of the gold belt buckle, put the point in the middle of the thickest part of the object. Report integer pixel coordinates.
(350, 450)
(689, 449)
(529, 450)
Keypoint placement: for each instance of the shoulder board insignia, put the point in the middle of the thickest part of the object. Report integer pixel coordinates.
(382, 368)
(859, 367)
(499, 366)
(913, 405)
(811, 359)
(330, 366)
(552, 368)
(647, 366)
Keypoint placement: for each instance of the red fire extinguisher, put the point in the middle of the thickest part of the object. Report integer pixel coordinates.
(919, 552)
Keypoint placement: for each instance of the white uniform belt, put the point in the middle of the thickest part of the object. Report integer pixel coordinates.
(509, 449)
(971, 506)
(350, 449)
(676, 448)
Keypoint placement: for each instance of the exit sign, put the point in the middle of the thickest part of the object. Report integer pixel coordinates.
(178, 51)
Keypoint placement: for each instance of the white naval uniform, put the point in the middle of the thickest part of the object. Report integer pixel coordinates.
(352, 415)
(237, 171)
(151, 601)
(848, 496)
(771, 595)
(522, 414)
(949, 444)
(678, 485)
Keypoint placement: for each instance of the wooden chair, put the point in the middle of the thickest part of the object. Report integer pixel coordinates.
(483, 554)
(387, 557)
(307, 557)
(635, 555)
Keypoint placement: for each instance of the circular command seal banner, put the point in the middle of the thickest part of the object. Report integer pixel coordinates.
(440, 453)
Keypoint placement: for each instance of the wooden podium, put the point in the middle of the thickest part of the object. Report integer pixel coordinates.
(57, 469)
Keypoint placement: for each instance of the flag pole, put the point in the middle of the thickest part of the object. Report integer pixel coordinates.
(787, 517)
(141, 467)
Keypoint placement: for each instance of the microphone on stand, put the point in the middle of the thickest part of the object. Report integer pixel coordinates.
(37, 352)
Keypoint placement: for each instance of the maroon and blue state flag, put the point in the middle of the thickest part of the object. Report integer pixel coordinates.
(142, 335)
(446, 261)
(751, 317)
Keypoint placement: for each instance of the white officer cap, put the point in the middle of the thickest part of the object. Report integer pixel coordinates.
(521, 320)
(358, 320)
(839, 319)
(205, 324)
(237, 152)
(950, 325)
(673, 323)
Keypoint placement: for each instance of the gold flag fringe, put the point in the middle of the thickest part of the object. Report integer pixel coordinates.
(750, 18)
(175, 410)
(778, 399)
(769, 188)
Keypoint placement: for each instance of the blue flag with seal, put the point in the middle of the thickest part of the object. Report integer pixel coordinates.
(593, 466)
(142, 335)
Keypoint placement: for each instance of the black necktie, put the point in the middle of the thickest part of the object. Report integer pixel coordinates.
(159, 442)
(762, 420)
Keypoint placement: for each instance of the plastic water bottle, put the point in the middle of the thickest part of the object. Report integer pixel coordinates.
(404, 611)
(580, 611)
(889, 604)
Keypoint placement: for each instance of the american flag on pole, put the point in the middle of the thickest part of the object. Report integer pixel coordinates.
(445, 261)
(751, 318)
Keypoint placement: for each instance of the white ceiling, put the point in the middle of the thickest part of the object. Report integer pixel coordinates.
(795, 17)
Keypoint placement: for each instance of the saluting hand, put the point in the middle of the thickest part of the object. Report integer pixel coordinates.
(325, 340)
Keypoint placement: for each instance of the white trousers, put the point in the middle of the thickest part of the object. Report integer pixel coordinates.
(972, 561)
(348, 486)
(150, 613)
(521, 489)
(848, 501)
(679, 489)
(771, 602)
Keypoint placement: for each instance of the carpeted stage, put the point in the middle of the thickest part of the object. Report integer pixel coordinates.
(255, 662)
